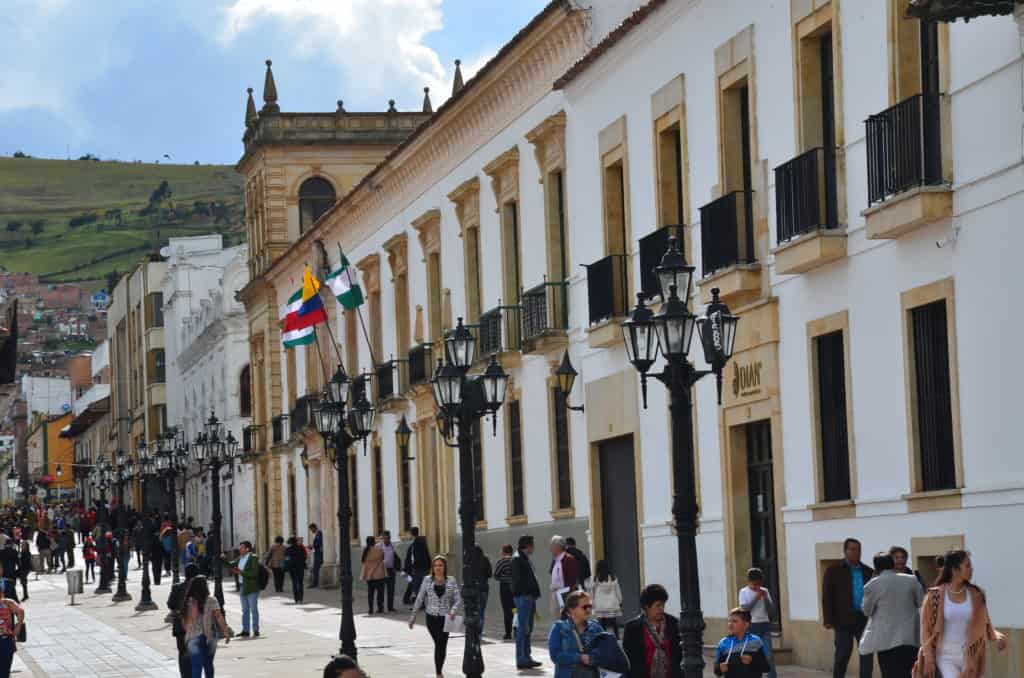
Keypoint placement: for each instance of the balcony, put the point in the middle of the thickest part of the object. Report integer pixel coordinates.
(302, 413)
(607, 298)
(362, 387)
(249, 440)
(500, 333)
(545, 310)
(906, 186)
(279, 429)
(652, 248)
(806, 213)
(727, 248)
(391, 381)
(420, 365)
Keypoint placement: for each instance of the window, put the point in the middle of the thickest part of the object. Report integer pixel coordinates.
(353, 498)
(516, 502)
(933, 403)
(316, 195)
(245, 392)
(548, 139)
(434, 296)
(314, 368)
(670, 174)
(378, 491)
(562, 475)
(466, 198)
(405, 490)
(831, 393)
(472, 245)
(352, 343)
(511, 265)
(158, 366)
(478, 469)
(397, 249)
(616, 236)
(155, 303)
(293, 389)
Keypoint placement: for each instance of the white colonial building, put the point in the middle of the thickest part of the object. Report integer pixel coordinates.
(208, 358)
(870, 388)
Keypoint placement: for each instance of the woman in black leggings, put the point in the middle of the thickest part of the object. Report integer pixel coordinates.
(439, 596)
(295, 557)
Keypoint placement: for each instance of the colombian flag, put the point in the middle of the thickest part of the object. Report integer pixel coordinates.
(311, 311)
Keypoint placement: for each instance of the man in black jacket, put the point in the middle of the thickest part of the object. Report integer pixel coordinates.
(842, 593)
(525, 592)
(653, 621)
(417, 565)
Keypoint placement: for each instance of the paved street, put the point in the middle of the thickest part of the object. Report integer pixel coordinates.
(98, 638)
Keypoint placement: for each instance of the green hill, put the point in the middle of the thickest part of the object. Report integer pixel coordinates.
(77, 220)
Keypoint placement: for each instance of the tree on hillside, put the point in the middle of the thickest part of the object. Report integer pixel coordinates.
(160, 194)
(37, 226)
(20, 154)
(13, 226)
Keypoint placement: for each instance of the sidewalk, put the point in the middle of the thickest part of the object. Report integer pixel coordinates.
(99, 638)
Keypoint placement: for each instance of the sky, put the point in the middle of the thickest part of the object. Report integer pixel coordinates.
(138, 79)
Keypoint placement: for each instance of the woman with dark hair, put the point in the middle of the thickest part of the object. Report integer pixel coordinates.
(606, 593)
(503, 575)
(955, 626)
(901, 558)
(439, 596)
(651, 640)
(374, 573)
(203, 620)
(343, 666)
(572, 635)
(275, 561)
(295, 559)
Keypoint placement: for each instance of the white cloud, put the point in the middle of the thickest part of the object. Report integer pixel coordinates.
(378, 44)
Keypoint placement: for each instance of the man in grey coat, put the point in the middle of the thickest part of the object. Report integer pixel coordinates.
(891, 603)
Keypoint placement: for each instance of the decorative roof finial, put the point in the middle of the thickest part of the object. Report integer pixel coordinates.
(391, 106)
(457, 85)
(270, 92)
(427, 106)
(341, 107)
(250, 109)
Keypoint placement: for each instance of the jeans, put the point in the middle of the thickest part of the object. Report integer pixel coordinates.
(435, 625)
(200, 654)
(278, 579)
(376, 588)
(898, 662)
(298, 577)
(844, 648)
(318, 561)
(763, 630)
(250, 608)
(524, 618)
(90, 570)
(484, 593)
(6, 655)
(390, 584)
(507, 606)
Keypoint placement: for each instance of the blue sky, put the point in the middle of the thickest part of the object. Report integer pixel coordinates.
(135, 79)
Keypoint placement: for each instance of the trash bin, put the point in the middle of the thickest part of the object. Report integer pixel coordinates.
(75, 586)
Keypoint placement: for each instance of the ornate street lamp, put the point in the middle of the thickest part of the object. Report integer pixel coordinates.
(144, 472)
(462, 401)
(671, 332)
(402, 436)
(340, 429)
(565, 377)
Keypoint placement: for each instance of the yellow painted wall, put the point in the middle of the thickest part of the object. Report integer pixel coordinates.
(60, 451)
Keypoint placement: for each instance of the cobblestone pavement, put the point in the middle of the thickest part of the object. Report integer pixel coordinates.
(99, 638)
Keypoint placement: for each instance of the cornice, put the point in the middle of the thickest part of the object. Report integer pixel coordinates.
(504, 174)
(548, 139)
(369, 267)
(397, 248)
(466, 197)
(428, 226)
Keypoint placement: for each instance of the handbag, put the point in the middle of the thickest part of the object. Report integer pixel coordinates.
(580, 670)
(455, 624)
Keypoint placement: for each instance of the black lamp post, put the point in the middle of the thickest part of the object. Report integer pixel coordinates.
(671, 332)
(146, 469)
(125, 473)
(402, 435)
(341, 426)
(461, 402)
(214, 448)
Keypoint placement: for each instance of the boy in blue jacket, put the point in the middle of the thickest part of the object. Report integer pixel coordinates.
(740, 654)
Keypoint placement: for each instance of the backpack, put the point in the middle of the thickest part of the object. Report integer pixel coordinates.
(264, 578)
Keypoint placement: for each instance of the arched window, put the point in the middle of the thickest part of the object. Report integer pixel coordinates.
(245, 393)
(316, 196)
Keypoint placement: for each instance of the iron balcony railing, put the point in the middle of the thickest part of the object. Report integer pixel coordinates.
(545, 308)
(248, 439)
(904, 147)
(727, 232)
(652, 248)
(384, 374)
(302, 413)
(608, 287)
(500, 330)
(279, 429)
(805, 194)
(421, 364)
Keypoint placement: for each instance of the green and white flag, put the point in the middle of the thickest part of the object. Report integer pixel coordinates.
(343, 286)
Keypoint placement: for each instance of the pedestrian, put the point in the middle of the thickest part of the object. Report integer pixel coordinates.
(900, 559)
(758, 601)
(571, 636)
(10, 562)
(174, 604)
(155, 549)
(43, 546)
(343, 666)
(25, 566)
(483, 579)
(167, 541)
(318, 554)
(439, 596)
(503, 575)
(373, 573)
(139, 542)
(392, 563)
(12, 620)
(565, 573)
(955, 625)
(275, 561)
(525, 592)
(417, 564)
(891, 603)
(203, 620)
(89, 556)
(842, 595)
(190, 556)
(581, 558)
(606, 594)
(247, 566)
(651, 639)
(741, 654)
(295, 565)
